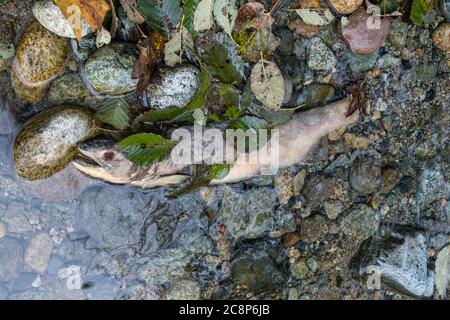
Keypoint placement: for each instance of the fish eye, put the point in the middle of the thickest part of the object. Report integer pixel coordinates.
(109, 156)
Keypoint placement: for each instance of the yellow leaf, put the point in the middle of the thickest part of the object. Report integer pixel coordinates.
(92, 11)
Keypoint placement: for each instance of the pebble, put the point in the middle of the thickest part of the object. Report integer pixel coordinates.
(299, 182)
(365, 176)
(355, 142)
(399, 33)
(177, 88)
(299, 270)
(390, 179)
(15, 219)
(360, 38)
(11, 258)
(360, 223)
(441, 37)
(72, 274)
(304, 29)
(320, 57)
(345, 6)
(184, 290)
(38, 252)
(2, 230)
(284, 187)
(333, 209)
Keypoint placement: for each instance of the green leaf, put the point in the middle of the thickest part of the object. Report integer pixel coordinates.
(249, 122)
(222, 61)
(189, 7)
(225, 13)
(159, 115)
(217, 171)
(419, 9)
(115, 113)
(205, 84)
(146, 148)
(161, 15)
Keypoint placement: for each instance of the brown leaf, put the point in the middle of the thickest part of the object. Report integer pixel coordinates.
(357, 94)
(151, 54)
(131, 9)
(92, 11)
(254, 11)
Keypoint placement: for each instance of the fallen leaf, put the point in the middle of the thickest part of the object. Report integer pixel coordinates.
(161, 15)
(225, 13)
(203, 16)
(315, 17)
(131, 9)
(254, 11)
(189, 7)
(115, 113)
(174, 48)
(92, 11)
(267, 84)
(151, 54)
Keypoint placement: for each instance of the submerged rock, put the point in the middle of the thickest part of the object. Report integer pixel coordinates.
(315, 95)
(48, 142)
(39, 59)
(365, 176)
(52, 18)
(177, 88)
(441, 37)
(11, 258)
(71, 89)
(109, 69)
(445, 6)
(400, 259)
(361, 36)
(320, 56)
(38, 252)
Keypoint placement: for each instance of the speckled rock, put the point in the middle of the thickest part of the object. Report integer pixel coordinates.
(40, 58)
(284, 186)
(52, 18)
(48, 142)
(365, 176)
(360, 38)
(11, 258)
(177, 89)
(7, 51)
(345, 6)
(246, 215)
(360, 223)
(38, 252)
(109, 69)
(398, 33)
(70, 89)
(184, 290)
(320, 56)
(441, 37)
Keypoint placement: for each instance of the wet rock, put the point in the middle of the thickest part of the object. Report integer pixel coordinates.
(360, 223)
(316, 95)
(109, 69)
(7, 51)
(286, 41)
(39, 59)
(11, 258)
(304, 29)
(345, 6)
(7, 120)
(184, 290)
(362, 63)
(15, 218)
(48, 142)
(362, 39)
(52, 18)
(320, 56)
(70, 89)
(38, 252)
(177, 88)
(399, 33)
(400, 259)
(257, 272)
(299, 182)
(441, 37)
(389, 178)
(317, 190)
(445, 6)
(355, 142)
(312, 265)
(2, 230)
(314, 229)
(388, 61)
(299, 270)
(246, 215)
(432, 185)
(365, 175)
(72, 277)
(442, 271)
(284, 186)
(333, 209)
(112, 218)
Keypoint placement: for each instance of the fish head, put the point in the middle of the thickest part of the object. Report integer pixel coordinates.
(101, 159)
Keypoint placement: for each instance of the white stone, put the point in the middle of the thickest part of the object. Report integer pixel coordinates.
(38, 252)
